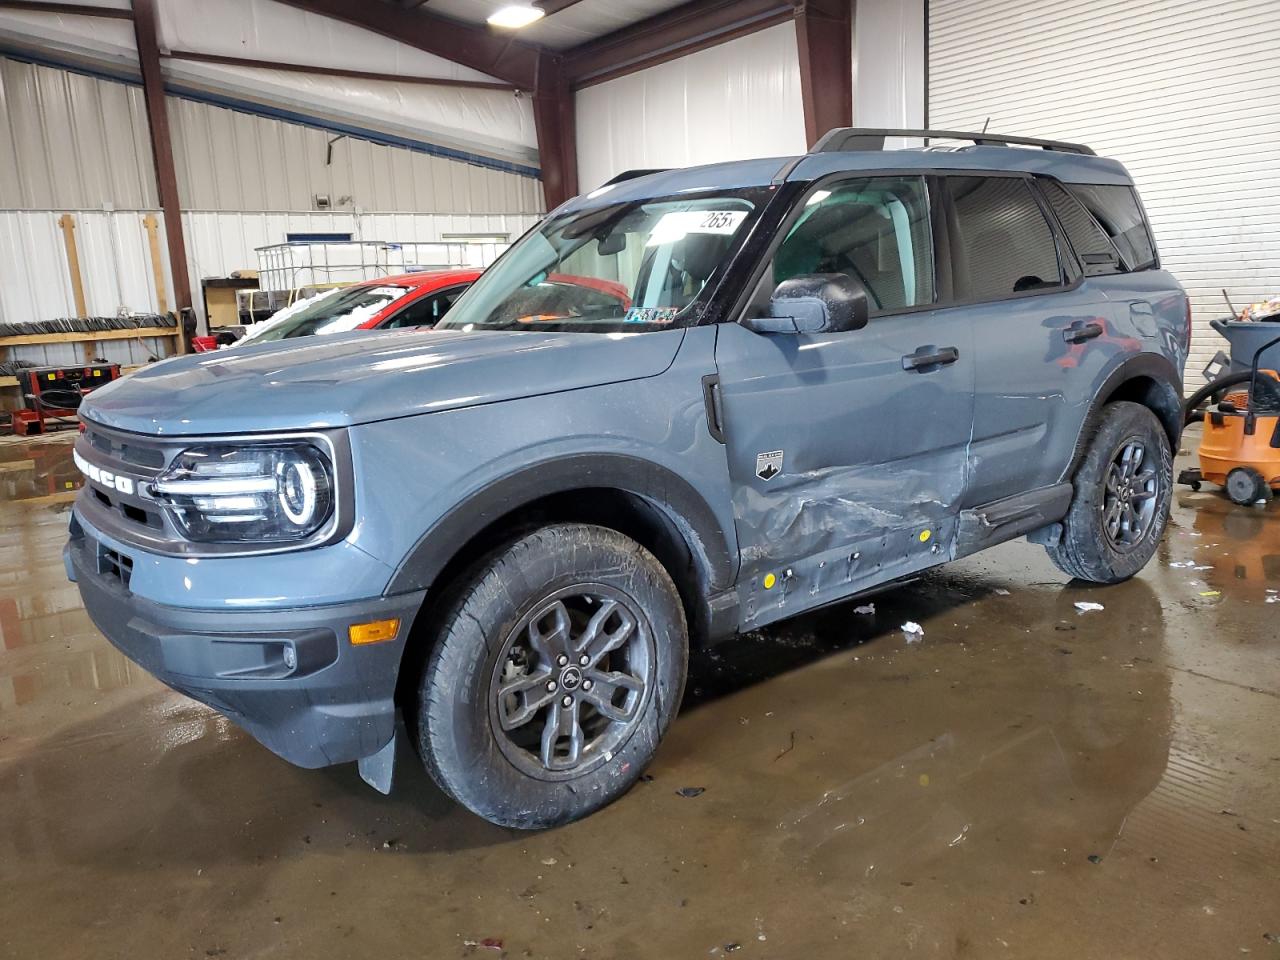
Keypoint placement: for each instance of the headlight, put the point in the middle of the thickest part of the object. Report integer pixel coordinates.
(268, 493)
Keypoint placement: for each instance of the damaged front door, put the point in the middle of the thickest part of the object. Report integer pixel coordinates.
(848, 451)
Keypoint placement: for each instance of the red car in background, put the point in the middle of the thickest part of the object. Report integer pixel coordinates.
(408, 300)
(421, 299)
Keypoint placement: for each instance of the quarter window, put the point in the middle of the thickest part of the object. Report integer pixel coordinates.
(876, 230)
(1117, 212)
(1004, 244)
(1090, 241)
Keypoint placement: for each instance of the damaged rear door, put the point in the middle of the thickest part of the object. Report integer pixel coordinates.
(848, 452)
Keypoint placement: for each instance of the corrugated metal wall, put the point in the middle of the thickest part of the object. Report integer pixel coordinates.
(76, 143)
(115, 264)
(72, 143)
(888, 75)
(229, 160)
(1185, 94)
(739, 99)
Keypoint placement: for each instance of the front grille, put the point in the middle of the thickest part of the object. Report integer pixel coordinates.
(132, 512)
(125, 455)
(133, 452)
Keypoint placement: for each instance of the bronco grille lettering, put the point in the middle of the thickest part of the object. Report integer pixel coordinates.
(108, 479)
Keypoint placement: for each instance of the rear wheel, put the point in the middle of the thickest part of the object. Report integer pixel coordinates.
(1123, 489)
(555, 674)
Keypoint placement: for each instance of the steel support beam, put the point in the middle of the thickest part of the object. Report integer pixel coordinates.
(195, 57)
(548, 7)
(556, 127)
(824, 39)
(76, 9)
(670, 35)
(144, 30)
(479, 48)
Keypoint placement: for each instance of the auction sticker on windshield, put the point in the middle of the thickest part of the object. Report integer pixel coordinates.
(678, 224)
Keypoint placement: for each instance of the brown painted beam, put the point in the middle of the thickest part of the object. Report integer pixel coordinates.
(195, 57)
(75, 9)
(824, 39)
(144, 31)
(548, 7)
(479, 48)
(554, 122)
(667, 36)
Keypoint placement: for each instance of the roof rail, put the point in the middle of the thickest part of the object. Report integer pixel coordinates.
(632, 174)
(866, 138)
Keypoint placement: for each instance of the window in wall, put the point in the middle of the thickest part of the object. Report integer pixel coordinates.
(1005, 244)
(876, 230)
(1117, 212)
(1090, 241)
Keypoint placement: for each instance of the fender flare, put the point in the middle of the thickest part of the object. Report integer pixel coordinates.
(1151, 365)
(670, 493)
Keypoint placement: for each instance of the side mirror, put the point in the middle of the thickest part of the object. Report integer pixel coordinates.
(814, 303)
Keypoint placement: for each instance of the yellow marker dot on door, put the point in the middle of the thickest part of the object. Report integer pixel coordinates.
(769, 581)
(925, 535)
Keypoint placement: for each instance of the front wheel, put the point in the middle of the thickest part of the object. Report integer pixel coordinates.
(1123, 491)
(554, 676)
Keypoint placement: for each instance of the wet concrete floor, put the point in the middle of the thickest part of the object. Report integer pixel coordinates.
(1026, 781)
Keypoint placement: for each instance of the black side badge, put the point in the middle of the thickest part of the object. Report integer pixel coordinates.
(768, 465)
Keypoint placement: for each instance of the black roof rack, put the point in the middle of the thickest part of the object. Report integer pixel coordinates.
(632, 174)
(866, 138)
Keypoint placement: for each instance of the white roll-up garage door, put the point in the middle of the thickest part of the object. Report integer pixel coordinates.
(1186, 93)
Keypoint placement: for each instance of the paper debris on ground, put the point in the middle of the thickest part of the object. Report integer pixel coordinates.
(1088, 606)
(913, 631)
(867, 609)
(1001, 592)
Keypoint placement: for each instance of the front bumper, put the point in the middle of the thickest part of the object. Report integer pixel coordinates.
(287, 676)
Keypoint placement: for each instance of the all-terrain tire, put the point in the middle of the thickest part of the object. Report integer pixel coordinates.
(460, 730)
(1084, 550)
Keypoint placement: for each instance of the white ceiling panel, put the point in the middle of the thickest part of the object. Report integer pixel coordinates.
(577, 24)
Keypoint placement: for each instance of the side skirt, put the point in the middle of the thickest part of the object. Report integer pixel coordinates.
(1001, 520)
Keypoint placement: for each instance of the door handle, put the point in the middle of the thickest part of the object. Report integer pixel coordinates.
(711, 400)
(1082, 330)
(928, 359)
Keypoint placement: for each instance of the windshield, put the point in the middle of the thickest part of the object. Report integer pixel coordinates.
(625, 267)
(332, 312)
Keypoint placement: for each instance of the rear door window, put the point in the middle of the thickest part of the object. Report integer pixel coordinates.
(1004, 245)
(1116, 210)
(876, 230)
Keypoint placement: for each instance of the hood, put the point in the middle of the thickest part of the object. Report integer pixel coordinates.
(341, 380)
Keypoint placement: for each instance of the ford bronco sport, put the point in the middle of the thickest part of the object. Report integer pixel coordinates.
(829, 374)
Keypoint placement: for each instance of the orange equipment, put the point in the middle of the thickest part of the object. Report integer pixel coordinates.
(1240, 449)
(1227, 449)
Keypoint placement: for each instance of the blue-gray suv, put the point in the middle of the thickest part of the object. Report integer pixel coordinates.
(685, 405)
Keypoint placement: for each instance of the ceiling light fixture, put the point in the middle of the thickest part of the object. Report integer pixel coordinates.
(515, 17)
